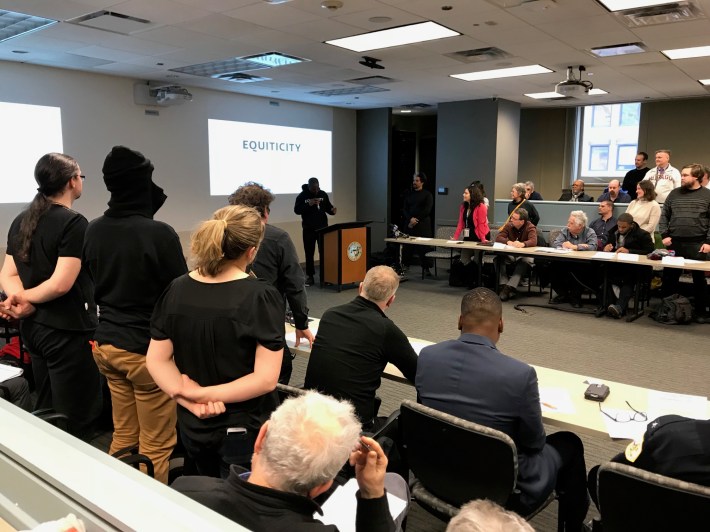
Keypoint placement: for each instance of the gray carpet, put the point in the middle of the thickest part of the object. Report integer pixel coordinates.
(672, 358)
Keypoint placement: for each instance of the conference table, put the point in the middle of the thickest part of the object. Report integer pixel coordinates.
(600, 257)
(562, 395)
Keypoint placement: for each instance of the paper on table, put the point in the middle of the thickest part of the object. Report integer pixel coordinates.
(556, 400)
(291, 339)
(693, 261)
(663, 403)
(422, 238)
(607, 255)
(673, 261)
(454, 241)
(418, 346)
(627, 257)
(341, 506)
(9, 372)
(553, 250)
(499, 245)
(629, 430)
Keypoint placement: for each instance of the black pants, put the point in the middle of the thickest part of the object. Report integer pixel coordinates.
(571, 484)
(17, 391)
(213, 459)
(671, 276)
(286, 366)
(409, 251)
(310, 239)
(66, 376)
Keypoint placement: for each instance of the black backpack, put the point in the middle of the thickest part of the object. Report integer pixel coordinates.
(674, 309)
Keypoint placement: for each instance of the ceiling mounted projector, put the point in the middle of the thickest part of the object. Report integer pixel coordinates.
(371, 62)
(574, 87)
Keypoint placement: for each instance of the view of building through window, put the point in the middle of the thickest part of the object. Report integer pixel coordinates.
(609, 141)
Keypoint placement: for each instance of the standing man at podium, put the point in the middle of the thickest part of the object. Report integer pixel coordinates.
(313, 205)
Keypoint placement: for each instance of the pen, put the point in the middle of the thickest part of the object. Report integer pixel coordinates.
(365, 446)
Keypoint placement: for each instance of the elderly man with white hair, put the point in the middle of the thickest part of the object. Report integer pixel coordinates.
(297, 454)
(569, 278)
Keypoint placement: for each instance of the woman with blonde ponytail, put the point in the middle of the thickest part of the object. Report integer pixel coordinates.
(217, 340)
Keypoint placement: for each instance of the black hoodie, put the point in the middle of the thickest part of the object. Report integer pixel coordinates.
(314, 216)
(131, 257)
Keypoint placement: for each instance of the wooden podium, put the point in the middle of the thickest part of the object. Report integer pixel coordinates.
(346, 252)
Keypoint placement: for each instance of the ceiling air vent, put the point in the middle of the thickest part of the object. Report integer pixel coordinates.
(371, 80)
(240, 77)
(113, 22)
(663, 14)
(479, 55)
(416, 106)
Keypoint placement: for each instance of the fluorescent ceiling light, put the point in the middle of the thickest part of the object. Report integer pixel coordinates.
(503, 73)
(597, 92)
(686, 53)
(413, 33)
(405, 111)
(544, 95)
(13, 24)
(618, 49)
(704, 81)
(623, 5)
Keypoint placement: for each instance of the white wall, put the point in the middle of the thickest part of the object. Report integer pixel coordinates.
(98, 112)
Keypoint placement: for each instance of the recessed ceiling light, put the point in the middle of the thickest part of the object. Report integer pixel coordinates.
(380, 20)
(503, 73)
(13, 24)
(544, 95)
(623, 5)
(618, 49)
(410, 34)
(704, 81)
(685, 53)
(597, 92)
(405, 110)
(274, 59)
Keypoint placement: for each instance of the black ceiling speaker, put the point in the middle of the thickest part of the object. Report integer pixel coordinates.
(371, 62)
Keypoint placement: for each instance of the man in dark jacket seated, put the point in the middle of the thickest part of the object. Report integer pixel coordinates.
(576, 193)
(626, 237)
(297, 454)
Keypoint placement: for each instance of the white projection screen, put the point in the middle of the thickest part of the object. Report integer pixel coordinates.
(26, 133)
(280, 158)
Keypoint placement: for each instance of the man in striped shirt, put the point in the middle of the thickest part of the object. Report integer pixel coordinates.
(685, 228)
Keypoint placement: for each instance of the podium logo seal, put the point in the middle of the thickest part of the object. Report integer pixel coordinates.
(354, 251)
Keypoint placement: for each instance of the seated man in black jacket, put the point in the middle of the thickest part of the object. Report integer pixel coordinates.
(626, 237)
(297, 454)
(355, 342)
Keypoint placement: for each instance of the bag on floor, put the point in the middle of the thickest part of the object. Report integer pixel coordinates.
(674, 309)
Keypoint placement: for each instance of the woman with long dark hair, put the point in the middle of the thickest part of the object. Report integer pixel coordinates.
(473, 220)
(47, 288)
(217, 341)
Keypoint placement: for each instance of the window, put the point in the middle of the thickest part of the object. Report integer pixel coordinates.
(608, 141)
(599, 158)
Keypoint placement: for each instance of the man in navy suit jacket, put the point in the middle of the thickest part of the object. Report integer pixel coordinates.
(469, 378)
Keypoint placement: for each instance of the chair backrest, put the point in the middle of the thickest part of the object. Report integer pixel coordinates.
(285, 391)
(445, 232)
(457, 460)
(553, 235)
(634, 499)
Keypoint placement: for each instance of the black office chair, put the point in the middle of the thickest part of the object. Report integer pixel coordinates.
(131, 456)
(285, 391)
(634, 499)
(455, 461)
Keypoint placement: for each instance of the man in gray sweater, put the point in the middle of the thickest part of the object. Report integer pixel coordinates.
(685, 228)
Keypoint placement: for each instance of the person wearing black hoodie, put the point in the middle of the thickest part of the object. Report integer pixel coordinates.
(132, 259)
(313, 205)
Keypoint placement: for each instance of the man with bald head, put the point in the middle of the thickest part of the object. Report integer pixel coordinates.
(355, 342)
(576, 193)
(615, 194)
(469, 378)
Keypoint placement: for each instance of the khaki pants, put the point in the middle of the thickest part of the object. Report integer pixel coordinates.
(143, 414)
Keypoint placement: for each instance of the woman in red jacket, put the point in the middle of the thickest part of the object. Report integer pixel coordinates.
(473, 220)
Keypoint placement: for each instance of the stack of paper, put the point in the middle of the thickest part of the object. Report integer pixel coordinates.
(9, 372)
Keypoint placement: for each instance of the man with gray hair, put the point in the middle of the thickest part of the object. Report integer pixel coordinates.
(530, 192)
(568, 277)
(355, 342)
(297, 454)
(483, 515)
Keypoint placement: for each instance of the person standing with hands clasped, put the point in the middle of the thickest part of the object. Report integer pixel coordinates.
(313, 205)
(53, 295)
(416, 212)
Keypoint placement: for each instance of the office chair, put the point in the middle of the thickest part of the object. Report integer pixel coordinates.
(285, 391)
(131, 456)
(455, 461)
(445, 233)
(634, 499)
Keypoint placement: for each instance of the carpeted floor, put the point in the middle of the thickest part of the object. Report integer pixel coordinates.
(672, 358)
